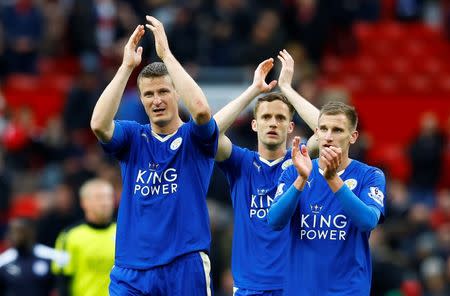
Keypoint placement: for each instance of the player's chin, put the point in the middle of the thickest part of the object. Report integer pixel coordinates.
(160, 120)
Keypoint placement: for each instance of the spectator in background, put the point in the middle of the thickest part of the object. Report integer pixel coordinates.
(307, 21)
(432, 271)
(266, 38)
(426, 156)
(226, 27)
(82, 98)
(80, 24)
(61, 214)
(25, 267)
(409, 10)
(5, 189)
(23, 25)
(89, 244)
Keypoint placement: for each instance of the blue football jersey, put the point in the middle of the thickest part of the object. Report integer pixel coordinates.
(328, 255)
(162, 211)
(258, 252)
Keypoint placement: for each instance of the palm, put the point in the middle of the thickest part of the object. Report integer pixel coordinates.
(132, 55)
(287, 70)
(261, 74)
(301, 159)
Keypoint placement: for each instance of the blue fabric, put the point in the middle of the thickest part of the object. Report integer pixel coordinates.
(365, 217)
(183, 276)
(258, 257)
(246, 292)
(281, 211)
(162, 212)
(205, 131)
(328, 253)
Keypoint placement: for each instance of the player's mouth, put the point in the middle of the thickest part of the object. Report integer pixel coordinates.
(327, 145)
(158, 111)
(272, 134)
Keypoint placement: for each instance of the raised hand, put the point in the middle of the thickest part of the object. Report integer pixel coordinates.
(331, 157)
(301, 159)
(287, 69)
(132, 54)
(161, 43)
(259, 78)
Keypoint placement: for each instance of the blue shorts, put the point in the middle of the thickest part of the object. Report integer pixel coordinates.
(188, 275)
(247, 292)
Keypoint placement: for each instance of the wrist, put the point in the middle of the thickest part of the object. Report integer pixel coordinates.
(124, 67)
(335, 183)
(285, 87)
(253, 90)
(167, 56)
(299, 183)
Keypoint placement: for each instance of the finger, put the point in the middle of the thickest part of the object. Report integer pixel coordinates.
(152, 28)
(152, 20)
(134, 35)
(281, 58)
(286, 54)
(272, 84)
(295, 147)
(262, 65)
(139, 50)
(304, 150)
(267, 63)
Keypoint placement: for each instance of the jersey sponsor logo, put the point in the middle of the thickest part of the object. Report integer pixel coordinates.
(316, 208)
(260, 203)
(377, 195)
(309, 182)
(40, 268)
(176, 143)
(152, 182)
(287, 163)
(319, 226)
(351, 183)
(153, 166)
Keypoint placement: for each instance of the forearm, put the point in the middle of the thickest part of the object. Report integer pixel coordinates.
(108, 104)
(307, 111)
(281, 212)
(363, 216)
(228, 114)
(191, 94)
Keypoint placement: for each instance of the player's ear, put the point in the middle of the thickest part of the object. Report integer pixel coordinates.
(254, 125)
(291, 127)
(353, 136)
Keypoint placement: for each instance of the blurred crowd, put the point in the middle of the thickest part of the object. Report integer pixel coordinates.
(42, 166)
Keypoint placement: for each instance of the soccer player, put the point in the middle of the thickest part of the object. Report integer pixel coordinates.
(25, 267)
(89, 244)
(163, 232)
(330, 205)
(258, 252)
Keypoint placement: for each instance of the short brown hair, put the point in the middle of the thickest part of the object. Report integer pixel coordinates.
(337, 107)
(155, 69)
(273, 97)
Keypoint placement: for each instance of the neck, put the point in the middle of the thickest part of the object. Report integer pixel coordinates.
(271, 154)
(169, 128)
